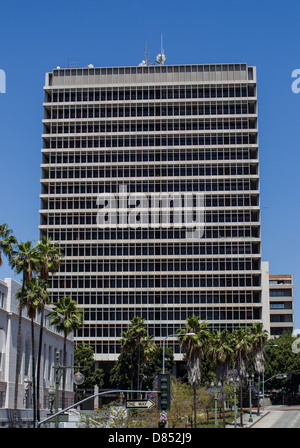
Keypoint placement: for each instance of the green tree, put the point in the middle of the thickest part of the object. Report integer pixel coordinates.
(7, 242)
(84, 359)
(194, 339)
(67, 318)
(24, 260)
(282, 359)
(221, 353)
(49, 260)
(32, 297)
(138, 351)
(242, 346)
(258, 337)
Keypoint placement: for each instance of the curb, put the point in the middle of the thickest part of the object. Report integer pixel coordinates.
(261, 417)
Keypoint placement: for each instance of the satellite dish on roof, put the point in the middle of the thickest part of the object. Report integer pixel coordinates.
(161, 58)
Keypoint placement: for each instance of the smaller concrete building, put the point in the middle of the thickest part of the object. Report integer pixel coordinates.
(52, 343)
(278, 300)
(281, 304)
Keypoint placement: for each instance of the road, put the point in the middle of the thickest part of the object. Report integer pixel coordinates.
(280, 417)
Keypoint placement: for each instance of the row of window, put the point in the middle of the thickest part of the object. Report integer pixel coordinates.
(151, 126)
(205, 186)
(147, 93)
(281, 293)
(171, 110)
(163, 249)
(160, 171)
(149, 281)
(109, 235)
(166, 314)
(162, 297)
(88, 218)
(162, 266)
(196, 140)
(169, 297)
(119, 156)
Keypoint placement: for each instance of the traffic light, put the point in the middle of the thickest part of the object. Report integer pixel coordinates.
(164, 388)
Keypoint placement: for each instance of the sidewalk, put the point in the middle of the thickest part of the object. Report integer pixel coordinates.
(246, 418)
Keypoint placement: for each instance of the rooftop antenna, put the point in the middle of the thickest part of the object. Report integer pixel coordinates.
(145, 60)
(161, 58)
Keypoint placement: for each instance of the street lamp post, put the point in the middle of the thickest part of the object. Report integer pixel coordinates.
(250, 380)
(235, 383)
(78, 379)
(216, 390)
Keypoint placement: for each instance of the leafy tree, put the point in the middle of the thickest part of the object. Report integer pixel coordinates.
(181, 409)
(140, 360)
(67, 318)
(84, 359)
(194, 338)
(282, 359)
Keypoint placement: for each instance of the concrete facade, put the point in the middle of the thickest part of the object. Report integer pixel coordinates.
(278, 302)
(281, 304)
(52, 343)
(181, 129)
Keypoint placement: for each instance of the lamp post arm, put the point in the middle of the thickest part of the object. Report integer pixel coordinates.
(92, 396)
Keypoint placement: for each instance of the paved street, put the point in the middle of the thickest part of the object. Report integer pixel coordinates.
(279, 417)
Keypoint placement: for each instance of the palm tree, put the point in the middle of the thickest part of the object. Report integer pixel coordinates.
(24, 260)
(258, 337)
(131, 343)
(138, 332)
(149, 350)
(49, 257)
(31, 297)
(40, 295)
(128, 346)
(7, 242)
(221, 353)
(67, 318)
(193, 339)
(242, 347)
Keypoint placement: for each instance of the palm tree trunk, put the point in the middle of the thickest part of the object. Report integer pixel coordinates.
(18, 358)
(33, 373)
(223, 405)
(258, 393)
(195, 406)
(39, 366)
(19, 341)
(64, 372)
(241, 403)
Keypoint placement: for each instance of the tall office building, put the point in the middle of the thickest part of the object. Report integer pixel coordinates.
(150, 185)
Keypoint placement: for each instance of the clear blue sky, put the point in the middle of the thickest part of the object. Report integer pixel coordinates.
(36, 36)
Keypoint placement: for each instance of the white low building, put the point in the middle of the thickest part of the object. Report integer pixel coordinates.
(52, 349)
